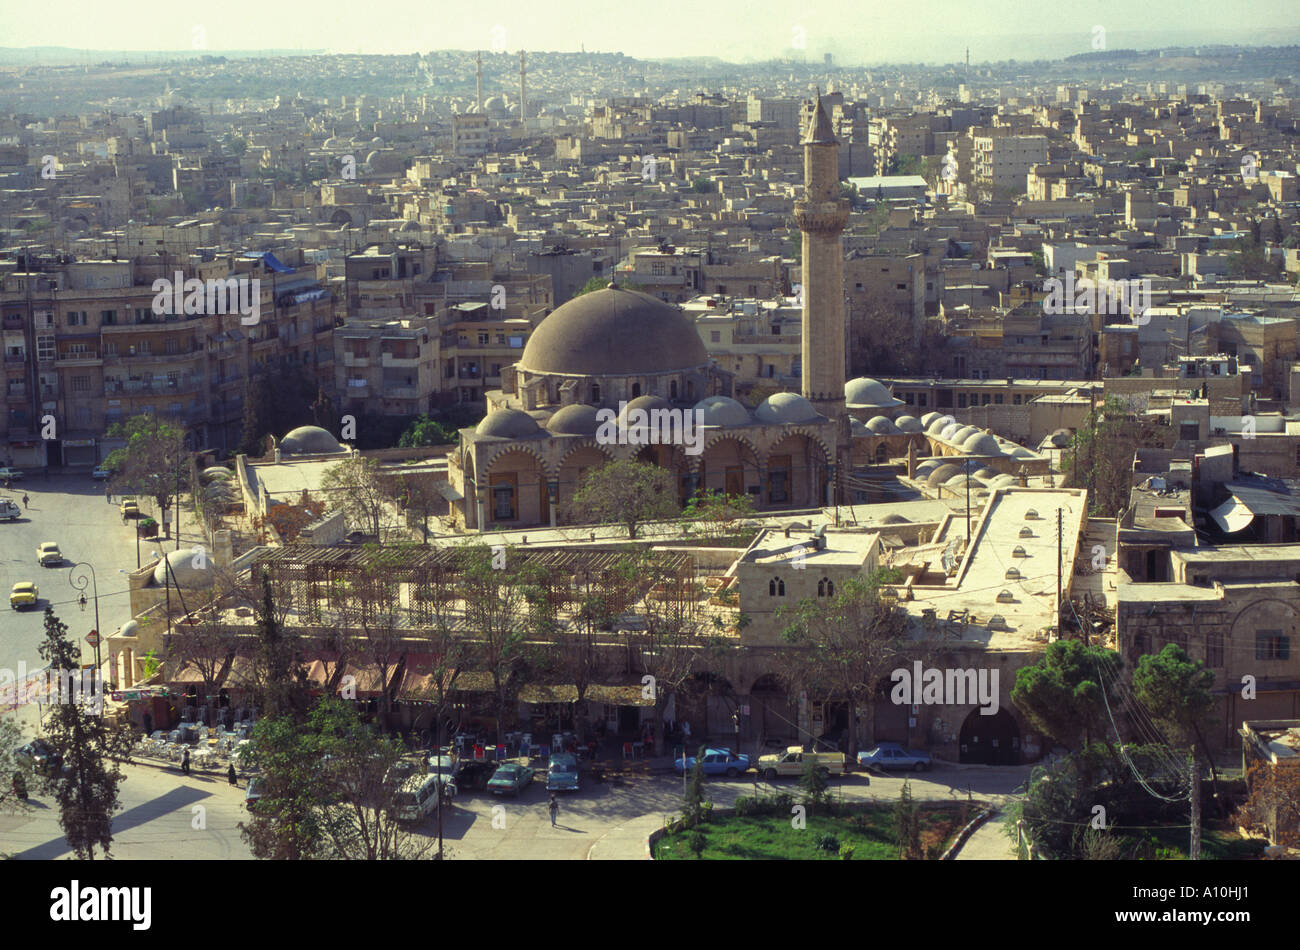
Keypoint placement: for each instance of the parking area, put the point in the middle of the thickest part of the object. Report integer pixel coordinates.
(70, 510)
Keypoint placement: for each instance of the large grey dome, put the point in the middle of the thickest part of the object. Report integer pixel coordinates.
(508, 424)
(722, 411)
(189, 570)
(866, 393)
(646, 404)
(310, 440)
(574, 420)
(786, 409)
(614, 332)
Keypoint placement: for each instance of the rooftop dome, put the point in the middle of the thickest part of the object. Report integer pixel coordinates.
(950, 430)
(1061, 438)
(1020, 452)
(929, 418)
(509, 424)
(786, 409)
(941, 475)
(189, 570)
(936, 426)
(722, 411)
(309, 440)
(129, 629)
(866, 393)
(574, 420)
(959, 436)
(1005, 481)
(981, 443)
(908, 424)
(987, 474)
(959, 482)
(882, 426)
(614, 332)
(646, 404)
(858, 429)
(894, 519)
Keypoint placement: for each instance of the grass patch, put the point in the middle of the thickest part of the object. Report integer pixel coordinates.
(1171, 844)
(868, 830)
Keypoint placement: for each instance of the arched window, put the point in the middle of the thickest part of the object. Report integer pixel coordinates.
(672, 389)
(825, 587)
(776, 587)
(882, 454)
(690, 389)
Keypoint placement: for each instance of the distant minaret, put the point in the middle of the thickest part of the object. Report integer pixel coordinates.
(968, 62)
(821, 215)
(478, 86)
(523, 91)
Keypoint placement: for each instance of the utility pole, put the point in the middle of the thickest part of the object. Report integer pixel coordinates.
(1194, 849)
(1059, 541)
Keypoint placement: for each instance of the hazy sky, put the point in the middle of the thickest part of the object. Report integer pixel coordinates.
(853, 30)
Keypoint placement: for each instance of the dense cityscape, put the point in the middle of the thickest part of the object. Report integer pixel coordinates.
(517, 454)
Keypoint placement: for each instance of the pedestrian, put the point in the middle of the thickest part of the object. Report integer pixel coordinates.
(231, 777)
(185, 762)
(26, 499)
(554, 808)
(686, 731)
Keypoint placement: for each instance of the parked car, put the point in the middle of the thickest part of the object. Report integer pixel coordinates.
(717, 762)
(99, 473)
(475, 774)
(510, 778)
(48, 554)
(444, 766)
(9, 511)
(562, 773)
(39, 755)
(794, 760)
(253, 794)
(893, 755)
(24, 594)
(129, 508)
(11, 473)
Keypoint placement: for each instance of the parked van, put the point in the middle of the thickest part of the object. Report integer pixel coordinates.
(9, 511)
(417, 797)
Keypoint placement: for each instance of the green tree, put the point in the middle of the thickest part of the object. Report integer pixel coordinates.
(846, 642)
(1063, 696)
(276, 401)
(11, 737)
(425, 431)
(279, 681)
(716, 515)
(814, 785)
(625, 492)
(695, 801)
(907, 825)
(86, 786)
(154, 462)
(704, 186)
(1100, 458)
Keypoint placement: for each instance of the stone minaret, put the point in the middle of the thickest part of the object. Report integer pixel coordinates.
(478, 83)
(821, 216)
(523, 91)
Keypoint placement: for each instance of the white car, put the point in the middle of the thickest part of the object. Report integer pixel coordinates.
(10, 473)
(48, 554)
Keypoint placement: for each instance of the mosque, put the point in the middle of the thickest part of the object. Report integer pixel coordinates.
(617, 348)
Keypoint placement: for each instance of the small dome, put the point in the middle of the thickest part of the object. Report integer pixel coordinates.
(937, 424)
(909, 424)
(866, 393)
(1061, 438)
(310, 440)
(882, 426)
(509, 424)
(786, 409)
(941, 475)
(858, 429)
(129, 629)
(574, 420)
(1020, 452)
(721, 411)
(188, 570)
(926, 467)
(215, 474)
(987, 474)
(959, 482)
(646, 404)
(1005, 481)
(959, 435)
(894, 519)
(981, 443)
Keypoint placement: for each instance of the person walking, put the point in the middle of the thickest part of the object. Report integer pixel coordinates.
(554, 808)
(231, 777)
(26, 499)
(185, 762)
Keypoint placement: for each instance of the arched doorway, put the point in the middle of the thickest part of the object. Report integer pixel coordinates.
(773, 718)
(990, 740)
(890, 722)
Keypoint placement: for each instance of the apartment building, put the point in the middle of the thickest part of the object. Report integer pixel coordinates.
(1004, 161)
(476, 343)
(757, 340)
(387, 367)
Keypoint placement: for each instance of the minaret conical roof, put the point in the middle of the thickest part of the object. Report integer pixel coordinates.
(819, 129)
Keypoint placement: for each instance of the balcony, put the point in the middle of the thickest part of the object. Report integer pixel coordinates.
(351, 359)
(157, 387)
(15, 359)
(401, 392)
(180, 357)
(88, 358)
(405, 362)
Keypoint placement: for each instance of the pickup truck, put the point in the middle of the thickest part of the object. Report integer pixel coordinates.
(794, 760)
(892, 755)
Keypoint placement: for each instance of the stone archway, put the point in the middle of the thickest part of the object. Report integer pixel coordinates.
(575, 465)
(730, 465)
(773, 716)
(514, 484)
(990, 740)
(796, 473)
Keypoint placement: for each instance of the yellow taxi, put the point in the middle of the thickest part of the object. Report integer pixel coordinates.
(23, 595)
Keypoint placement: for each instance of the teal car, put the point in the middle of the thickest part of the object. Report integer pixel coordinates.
(510, 779)
(562, 773)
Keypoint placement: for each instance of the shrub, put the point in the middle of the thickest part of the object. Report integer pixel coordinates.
(846, 852)
(829, 843)
(696, 843)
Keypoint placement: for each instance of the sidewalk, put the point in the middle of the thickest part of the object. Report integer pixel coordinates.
(989, 842)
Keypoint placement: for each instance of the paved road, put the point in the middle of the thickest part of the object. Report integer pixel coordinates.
(70, 510)
(989, 842)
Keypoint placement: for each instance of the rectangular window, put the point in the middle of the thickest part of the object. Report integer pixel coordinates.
(715, 336)
(1214, 650)
(1272, 645)
(921, 400)
(1015, 399)
(142, 314)
(961, 400)
(482, 339)
(45, 347)
(997, 399)
(76, 318)
(108, 317)
(81, 384)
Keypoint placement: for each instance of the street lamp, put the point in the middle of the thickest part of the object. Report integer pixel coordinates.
(80, 582)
